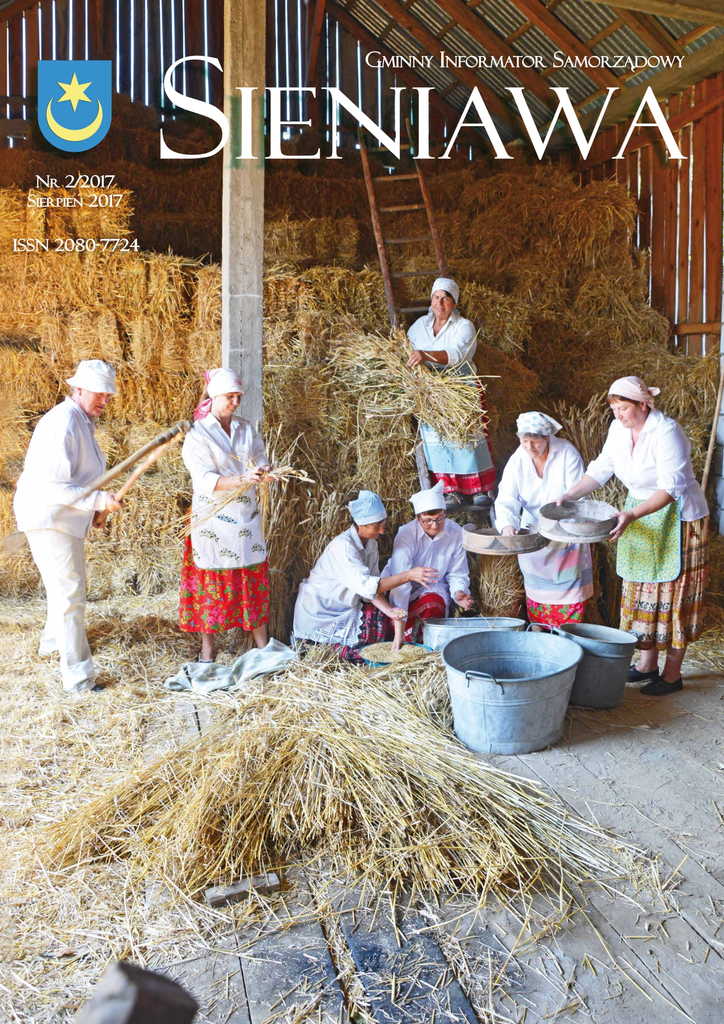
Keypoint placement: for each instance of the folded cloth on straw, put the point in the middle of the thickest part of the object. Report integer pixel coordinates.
(202, 677)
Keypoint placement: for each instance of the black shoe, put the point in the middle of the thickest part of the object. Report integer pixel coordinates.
(660, 688)
(634, 676)
(453, 501)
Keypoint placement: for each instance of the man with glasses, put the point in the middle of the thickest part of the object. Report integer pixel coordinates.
(433, 541)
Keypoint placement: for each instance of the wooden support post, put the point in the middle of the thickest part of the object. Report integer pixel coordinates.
(242, 246)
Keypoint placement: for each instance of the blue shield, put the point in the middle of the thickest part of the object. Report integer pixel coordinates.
(74, 102)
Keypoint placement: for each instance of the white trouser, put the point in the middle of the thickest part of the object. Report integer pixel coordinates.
(60, 559)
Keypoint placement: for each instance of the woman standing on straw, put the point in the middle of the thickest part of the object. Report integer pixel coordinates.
(443, 338)
(558, 579)
(341, 602)
(662, 532)
(225, 576)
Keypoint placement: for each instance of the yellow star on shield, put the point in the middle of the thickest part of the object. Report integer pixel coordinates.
(74, 92)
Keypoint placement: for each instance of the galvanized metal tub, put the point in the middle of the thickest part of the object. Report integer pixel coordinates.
(601, 676)
(509, 691)
(437, 632)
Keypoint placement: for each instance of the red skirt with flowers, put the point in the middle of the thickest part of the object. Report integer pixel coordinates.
(427, 606)
(555, 614)
(212, 600)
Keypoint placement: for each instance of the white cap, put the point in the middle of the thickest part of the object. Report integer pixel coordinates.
(367, 508)
(537, 423)
(94, 375)
(445, 284)
(223, 382)
(428, 501)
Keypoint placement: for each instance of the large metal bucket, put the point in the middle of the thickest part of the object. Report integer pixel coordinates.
(509, 691)
(437, 632)
(601, 676)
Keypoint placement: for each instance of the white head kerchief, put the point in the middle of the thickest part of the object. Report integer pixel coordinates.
(223, 382)
(537, 423)
(635, 390)
(427, 501)
(94, 375)
(367, 508)
(446, 284)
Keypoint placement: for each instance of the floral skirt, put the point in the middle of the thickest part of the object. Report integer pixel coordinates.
(670, 615)
(555, 614)
(212, 600)
(426, 606)
(374, 629)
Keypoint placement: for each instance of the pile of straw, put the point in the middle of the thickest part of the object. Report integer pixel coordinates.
(335, 761)
(328, 241)
(376, 366)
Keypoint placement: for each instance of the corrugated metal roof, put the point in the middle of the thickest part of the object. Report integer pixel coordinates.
(622, 42)
(502, 16)
(710, 37)
(584, 20)
(400, 42)
(430, 14)
(437, 77)
(460, 41)
(679, 28)
(533, 41)
(579, 84)
(370, 15)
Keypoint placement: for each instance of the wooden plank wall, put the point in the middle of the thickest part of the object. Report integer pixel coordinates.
(151, 36)
(680, 204)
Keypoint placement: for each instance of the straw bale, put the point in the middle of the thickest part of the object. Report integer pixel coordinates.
(18, 575)
(327, 240)
(167, 397)
(93, 334)
(503, 321)
(28, 384)
(203, 351)
(318, 195)
(12, 216)
(207, 298)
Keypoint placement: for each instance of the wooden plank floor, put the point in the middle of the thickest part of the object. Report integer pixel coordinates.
(651, 771)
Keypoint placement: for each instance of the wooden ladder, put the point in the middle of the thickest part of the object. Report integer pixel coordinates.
(431, 237)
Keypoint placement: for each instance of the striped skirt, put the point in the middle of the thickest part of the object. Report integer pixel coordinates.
(670, 615)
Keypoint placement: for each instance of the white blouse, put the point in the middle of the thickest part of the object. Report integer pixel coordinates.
(328, 608)
(659, 461)
(232, 538)
(522, 492)
(445, 552)
(457, 338)
(63, 458)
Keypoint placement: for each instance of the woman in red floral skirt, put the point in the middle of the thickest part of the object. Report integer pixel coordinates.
(225, 575)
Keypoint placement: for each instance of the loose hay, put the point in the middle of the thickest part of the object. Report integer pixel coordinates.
(345, 763)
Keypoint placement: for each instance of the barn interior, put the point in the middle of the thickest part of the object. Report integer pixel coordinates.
(121, 814)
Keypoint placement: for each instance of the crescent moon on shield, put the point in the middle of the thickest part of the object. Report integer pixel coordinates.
(74, 134)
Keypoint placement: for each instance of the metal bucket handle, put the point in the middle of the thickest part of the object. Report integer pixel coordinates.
(482, 675)
(545, 628)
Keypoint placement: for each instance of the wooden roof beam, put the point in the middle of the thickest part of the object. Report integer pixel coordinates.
(651, 32)
(705, 12)
(557, 32)
(410, 78)
(431, 44)
(494, 45)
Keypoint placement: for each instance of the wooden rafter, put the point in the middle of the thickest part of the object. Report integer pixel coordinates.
(651, 32)
(410, 78)
(557, 32)
(705, 12)
(494, 45)
(431, 44)
(13, 9)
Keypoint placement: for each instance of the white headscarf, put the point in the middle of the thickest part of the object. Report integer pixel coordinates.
(635, 390)
(537, 423)
(223, 382)
(94, 375)
(426, 501)
(445, 284)
(367, 508)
